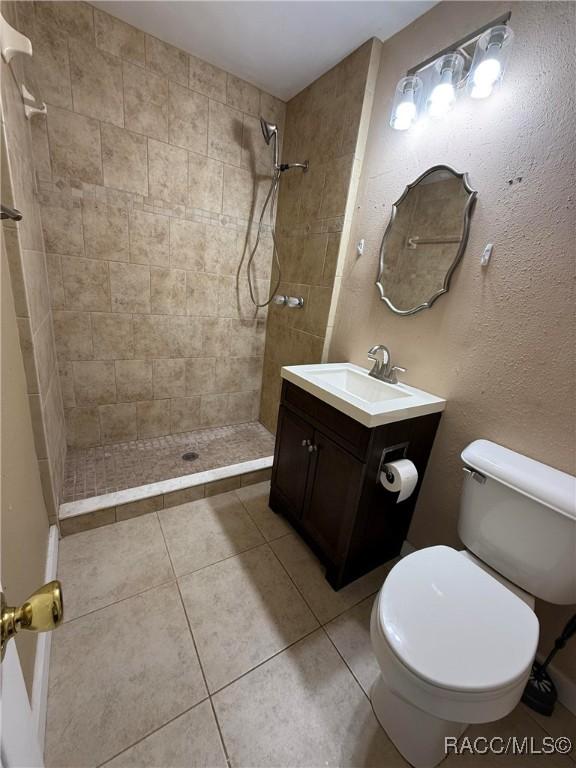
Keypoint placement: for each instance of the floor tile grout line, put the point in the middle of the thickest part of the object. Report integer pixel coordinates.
(189, 624)
(346, 663)
(151, 733)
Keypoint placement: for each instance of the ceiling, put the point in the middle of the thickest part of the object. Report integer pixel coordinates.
(277, 45)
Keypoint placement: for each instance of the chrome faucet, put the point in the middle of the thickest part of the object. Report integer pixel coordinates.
(383, 368)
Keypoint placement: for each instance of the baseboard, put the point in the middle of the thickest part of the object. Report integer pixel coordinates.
(43, 645)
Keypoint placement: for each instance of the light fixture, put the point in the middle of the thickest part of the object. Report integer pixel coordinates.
(406, 103)
(475, 63)
(447, 76)
(490, 58)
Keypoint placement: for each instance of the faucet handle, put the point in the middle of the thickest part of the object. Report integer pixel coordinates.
(394, 371)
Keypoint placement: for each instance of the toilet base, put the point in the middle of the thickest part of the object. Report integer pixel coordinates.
(418, 736)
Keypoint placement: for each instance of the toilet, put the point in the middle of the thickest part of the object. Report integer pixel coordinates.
(455, 632)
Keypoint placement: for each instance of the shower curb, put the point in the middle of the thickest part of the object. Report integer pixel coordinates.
(84, 514)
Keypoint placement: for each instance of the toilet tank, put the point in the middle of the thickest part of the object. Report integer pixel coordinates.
(519, 517)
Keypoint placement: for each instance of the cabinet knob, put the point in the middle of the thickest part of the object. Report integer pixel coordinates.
(305, 443)
(312, 448)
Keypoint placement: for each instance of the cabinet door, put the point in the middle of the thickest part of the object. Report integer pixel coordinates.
(333, 491)
(294, 436)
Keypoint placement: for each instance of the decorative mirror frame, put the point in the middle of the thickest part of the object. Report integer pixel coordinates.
(463, 242)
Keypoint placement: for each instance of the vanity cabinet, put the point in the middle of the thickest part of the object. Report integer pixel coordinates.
(325, 481)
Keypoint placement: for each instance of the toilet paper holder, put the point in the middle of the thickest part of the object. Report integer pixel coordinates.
(392, 453)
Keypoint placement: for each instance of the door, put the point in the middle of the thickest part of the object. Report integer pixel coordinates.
(334, 486)
(293, 443)
(19, 746)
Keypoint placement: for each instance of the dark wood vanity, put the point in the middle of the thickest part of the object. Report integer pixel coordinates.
(325, 481)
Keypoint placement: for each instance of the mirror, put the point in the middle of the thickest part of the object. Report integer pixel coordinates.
(425, 239)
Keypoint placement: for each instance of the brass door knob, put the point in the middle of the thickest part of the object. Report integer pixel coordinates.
(42, 612)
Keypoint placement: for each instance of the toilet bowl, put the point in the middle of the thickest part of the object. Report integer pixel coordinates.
(455, 646)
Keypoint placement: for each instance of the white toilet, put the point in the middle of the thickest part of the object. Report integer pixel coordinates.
(454, 632)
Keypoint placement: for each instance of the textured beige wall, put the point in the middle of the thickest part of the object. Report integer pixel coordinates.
(500, 345)
(25, 251)
(322, 126)
(151, 163)
(24, 523)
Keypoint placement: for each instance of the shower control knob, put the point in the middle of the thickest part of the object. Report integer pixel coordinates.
(295, 301)
(280, 300)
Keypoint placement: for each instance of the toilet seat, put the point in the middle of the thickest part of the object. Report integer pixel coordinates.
(455, 626)
(435, 614)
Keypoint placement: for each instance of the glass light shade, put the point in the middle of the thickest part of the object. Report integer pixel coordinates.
(446, 77)
(406, 103)
(490, 59)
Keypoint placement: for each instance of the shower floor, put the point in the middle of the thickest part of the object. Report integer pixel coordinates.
(105, 469)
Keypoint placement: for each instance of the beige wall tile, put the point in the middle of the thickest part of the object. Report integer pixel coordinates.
(243, 406)
(153, 418)
(251, 478)
(105, 231)
(62, 228)
(161, 336)
(130, 287)
(202, 292)
(257, 156)
(187, 244)
(240, 199)
(112, 336)
(75, 150)
(222, 486)
(222, 253)
(169, 378)
(55, 283)
(94, 382)
(73, 333)
(200, 376)
(38, 429)
(86, 284)
(185, 414)
(224, 133)
(207, 79)
(45, 355)
(119, 38)
(125, 159)
(205, 183)
(215, 336)
(118, 422)
(36, 284)
(66, 377)
(137, 508)
(149, 238)
(188, 115)
(249, 337)
(40, 147)
(134, 380)
(242, 95)
(164, 59)
(168, 172)
(145, 102)
(336, 192)
(238, 374)
(25, 336)
(96, 83)
(214, 410)
(272, 109)
(83, 427)
(87, 522)
(51, 66)
(168, 291)
(73, 18)
(176, 498)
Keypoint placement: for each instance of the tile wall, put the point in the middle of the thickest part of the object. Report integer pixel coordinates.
(150, 164)
(24, 246)
(324, 126)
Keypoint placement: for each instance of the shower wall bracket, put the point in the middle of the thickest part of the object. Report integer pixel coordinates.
(12, 41)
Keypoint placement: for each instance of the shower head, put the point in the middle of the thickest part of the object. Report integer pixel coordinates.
(269, 130)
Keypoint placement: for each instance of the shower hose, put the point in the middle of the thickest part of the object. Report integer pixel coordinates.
(269, 202)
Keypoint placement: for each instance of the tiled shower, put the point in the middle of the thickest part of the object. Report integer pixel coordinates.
(148, 174)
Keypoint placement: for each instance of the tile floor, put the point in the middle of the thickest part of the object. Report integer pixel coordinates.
(105, 469)
(206, 635)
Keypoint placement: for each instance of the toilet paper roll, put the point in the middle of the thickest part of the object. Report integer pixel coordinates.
(401, 476)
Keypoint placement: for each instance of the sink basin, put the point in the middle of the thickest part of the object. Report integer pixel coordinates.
(350, 389)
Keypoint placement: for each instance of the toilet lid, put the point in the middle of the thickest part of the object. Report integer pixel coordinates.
(453, 624)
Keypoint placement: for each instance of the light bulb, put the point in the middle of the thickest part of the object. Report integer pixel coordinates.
(442, 99)
(487, 72)
(405, 115)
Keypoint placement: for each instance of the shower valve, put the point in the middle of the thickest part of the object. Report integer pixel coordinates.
(289, 301)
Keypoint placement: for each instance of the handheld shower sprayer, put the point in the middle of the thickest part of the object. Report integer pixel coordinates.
(270, 134)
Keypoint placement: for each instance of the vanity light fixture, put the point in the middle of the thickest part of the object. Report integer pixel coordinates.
(447, 76)
(406, 103)
(474, 64)
(490, 58)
